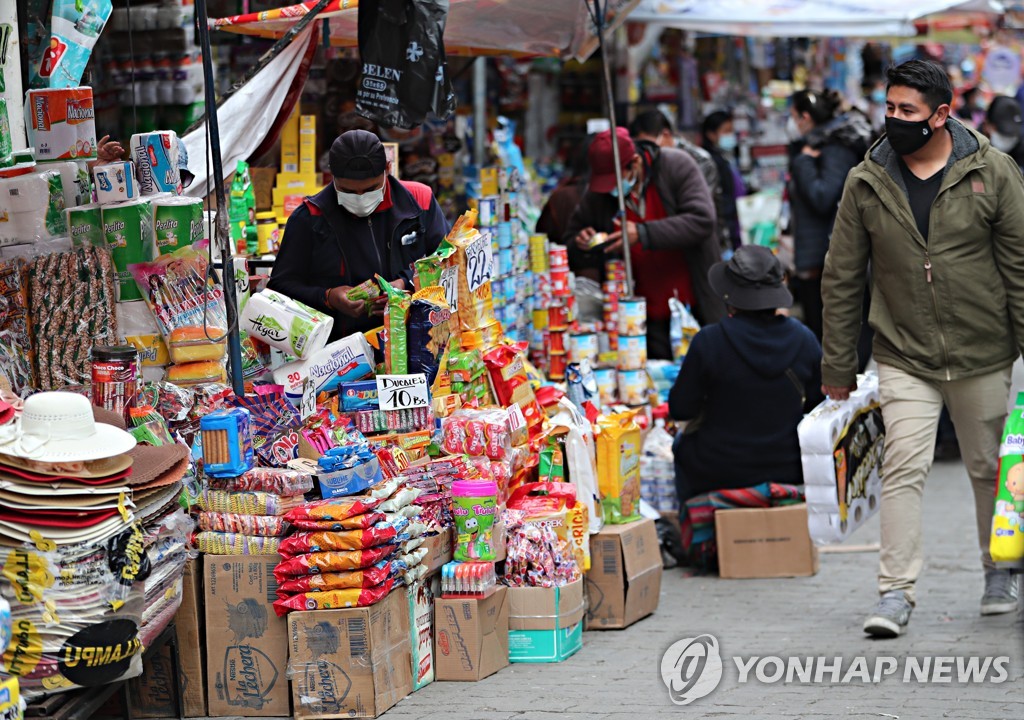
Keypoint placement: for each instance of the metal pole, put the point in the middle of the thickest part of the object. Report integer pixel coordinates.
(610, 95)
(480, 112)
(221, 235)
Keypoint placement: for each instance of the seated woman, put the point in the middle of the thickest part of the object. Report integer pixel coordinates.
(745, 384)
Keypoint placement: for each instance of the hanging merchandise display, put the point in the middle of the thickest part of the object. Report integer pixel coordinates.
(405, 72)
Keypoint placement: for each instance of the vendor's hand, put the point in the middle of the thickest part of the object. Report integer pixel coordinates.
(808, 150)
(108, 150)
(836, 392)
(398, 284)
(583, 238)
(615, 240)
(379, 304)
(338, 298)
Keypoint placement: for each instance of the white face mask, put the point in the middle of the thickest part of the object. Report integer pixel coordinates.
(1003, 143)
(361, 205)
(793, 130)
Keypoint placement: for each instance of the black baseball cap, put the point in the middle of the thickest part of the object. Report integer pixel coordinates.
(358, 155)
(1004, 115)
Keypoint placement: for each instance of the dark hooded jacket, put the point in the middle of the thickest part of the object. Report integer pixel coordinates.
(744, 386)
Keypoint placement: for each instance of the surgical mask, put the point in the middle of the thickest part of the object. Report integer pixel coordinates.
(627, 187)
(908, 136)
(878, 96)
(727, 142)
(793, 131)
(361, 205)
(1004, 143)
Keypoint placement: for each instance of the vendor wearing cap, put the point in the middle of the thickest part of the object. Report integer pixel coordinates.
(1004, 126)
(364, 223)
(745, 384)
(670, 218)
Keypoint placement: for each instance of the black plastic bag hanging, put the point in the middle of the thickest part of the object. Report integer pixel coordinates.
(405, 71)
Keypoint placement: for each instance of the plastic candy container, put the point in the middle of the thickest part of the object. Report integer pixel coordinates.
(474, 503)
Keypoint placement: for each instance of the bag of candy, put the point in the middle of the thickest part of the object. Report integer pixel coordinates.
(1007, 542)
(554, 504)
(430, 330)
(264, 525)
(217, 543)
(477, 433)
(279, 481)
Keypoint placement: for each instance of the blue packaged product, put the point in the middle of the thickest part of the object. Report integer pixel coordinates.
(361, 395)
(227, 443)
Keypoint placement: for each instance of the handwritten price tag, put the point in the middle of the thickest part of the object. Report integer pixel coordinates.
(308, 404)
(479, 262)
(516, 419)
(450, 283)
(402, 392)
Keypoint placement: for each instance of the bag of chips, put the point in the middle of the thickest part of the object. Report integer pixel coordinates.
(364, 578)
(332, 561)
(335, 599)
(396, 346)
(307, 542)
(429, 329)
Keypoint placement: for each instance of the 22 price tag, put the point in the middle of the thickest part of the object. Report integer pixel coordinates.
(479, 262)
(450, 283)
(402, 392)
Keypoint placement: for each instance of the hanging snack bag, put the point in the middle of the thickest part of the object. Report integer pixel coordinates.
(396, 348)
(1007, 543)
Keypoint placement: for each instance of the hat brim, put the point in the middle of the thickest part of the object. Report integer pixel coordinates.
(765, 297)
(602, 183)
(103, 471)
(157, 466)
(106, 442)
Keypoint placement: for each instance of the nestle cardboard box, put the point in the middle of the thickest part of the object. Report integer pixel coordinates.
(765, 543)
(545, 624)
(246, 642)
(152, 693)
(472, 636)
(624, 581)
(439, 550)
(351, 663)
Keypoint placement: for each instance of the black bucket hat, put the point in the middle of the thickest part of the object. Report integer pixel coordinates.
(751, 280)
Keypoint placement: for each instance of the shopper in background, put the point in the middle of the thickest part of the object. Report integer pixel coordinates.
(718, 136)
(940, 217)
(561, 204)
(1004, 126)
(972, 107)
(745, 384)
(654, 127)
(670, 219)
(364, 223)
(825, 145)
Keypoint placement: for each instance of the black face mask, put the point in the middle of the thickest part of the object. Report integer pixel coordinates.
(906, 136)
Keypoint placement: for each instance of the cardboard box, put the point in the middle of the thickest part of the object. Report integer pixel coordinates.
(350, 663)
(439, 550)
(472, 636)
(545, 624)
(307, 144)
(290, 144)
(765, 543)
(246, 643)
(624, 582)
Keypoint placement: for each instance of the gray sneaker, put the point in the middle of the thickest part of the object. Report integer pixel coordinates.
(890, 617)
(1002, 592)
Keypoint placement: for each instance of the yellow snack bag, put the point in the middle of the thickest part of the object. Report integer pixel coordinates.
(618, 467)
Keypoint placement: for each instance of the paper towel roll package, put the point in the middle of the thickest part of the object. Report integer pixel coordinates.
(177, 222)
(85, 225)
(61, 123)
(31, 208)
(286, 324)
(74, 177)
(156, 162)
(128, 228)
(842, 444)
(116, 183)
(345, 360)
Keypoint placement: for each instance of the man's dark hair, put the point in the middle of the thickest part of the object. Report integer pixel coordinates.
(651, 123)
(714, 121)
(927, 77)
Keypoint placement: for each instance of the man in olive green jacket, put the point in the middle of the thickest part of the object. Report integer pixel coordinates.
(939, 215)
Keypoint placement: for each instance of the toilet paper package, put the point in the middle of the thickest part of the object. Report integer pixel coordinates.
(128, 229)
(61, 124)
(115, 183)
(286, 324)
(177, 222)
(841, 445)
(85, 225)
(31, 208)
(156, 162)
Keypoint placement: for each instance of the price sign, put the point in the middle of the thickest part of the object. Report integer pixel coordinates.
(516, 419)
(450, 283)
(308, 404)
(402, 392)
(479, 262)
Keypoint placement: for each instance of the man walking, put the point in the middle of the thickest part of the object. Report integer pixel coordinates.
(939, 214)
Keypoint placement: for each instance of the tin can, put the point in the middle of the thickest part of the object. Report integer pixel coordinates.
(556, 341)
(604, 342)
(607, 385)
(632, 352)
(539, 253)
(558, 257)
(115, 377)
(504, 233)
(615, 270)
(558, 316)
(267, 233)
(583, 346)
(632, 316)
(632, 386)
(613, 342)
(557, 365)
(540, 319)
(487, 211)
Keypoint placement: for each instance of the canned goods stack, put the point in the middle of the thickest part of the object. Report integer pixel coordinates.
(512, 284)
(560, 305)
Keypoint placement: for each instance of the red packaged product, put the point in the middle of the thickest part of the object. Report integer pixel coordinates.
(367, 577)
(332, 561)
(335, 599)
(357, 522)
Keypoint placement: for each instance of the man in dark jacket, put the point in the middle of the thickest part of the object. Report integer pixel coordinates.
(363, 224)
(670, 219)
(745, 384)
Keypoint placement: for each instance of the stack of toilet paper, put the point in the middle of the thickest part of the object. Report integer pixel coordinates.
(842, 444)
(156, 162)
(32, 208)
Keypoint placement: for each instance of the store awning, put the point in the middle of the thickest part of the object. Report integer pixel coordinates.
(800, 18)
(540, 28)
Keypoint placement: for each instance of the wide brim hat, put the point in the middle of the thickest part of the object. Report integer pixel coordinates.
(157, 466)
(59, 427)
(751, 280)
(99, 472)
